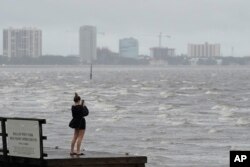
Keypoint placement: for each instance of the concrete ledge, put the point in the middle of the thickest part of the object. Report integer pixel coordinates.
(61, 158)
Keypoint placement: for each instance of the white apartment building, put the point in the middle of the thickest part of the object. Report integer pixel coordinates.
(24, 42)
(203, 50)
(129, 47)
(87, 43)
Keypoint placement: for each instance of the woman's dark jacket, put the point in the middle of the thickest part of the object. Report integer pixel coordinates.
(78, 114)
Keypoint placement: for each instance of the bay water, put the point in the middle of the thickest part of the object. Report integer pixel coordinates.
(176, 116)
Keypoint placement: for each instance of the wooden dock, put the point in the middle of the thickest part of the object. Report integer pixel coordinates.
(62, 158)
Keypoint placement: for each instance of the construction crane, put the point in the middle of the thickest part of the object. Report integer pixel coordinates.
(160, 38)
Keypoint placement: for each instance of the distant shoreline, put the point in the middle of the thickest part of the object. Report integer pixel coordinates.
(122, 66)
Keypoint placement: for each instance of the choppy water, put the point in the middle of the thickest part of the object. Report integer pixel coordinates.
(177, 116)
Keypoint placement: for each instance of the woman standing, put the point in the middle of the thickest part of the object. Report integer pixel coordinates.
(78, 123)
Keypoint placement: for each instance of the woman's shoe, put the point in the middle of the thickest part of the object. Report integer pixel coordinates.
(78, 154)
(72, 154)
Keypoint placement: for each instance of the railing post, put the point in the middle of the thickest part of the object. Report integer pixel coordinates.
(42, 138)
(4, 138)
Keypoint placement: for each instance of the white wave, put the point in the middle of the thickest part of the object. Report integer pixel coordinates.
(178, 123)
(186, 82)
(216, 107)
(100, 99)
(104, 106)
(163, 80)
(243, 121)
(105, 120)
(142, 94)
(122, 111)
(98, 129)
(164, 107)
(123, 92)
(244, 99)
(136, 86)
(226, 113)
(148, 88)
(225, 110)
(166, 94)
(117, 117)
(146, 139)
(211, 92)
(186, 95)
(188, 88)
(212, 130)
(162, 116)
(225, 119)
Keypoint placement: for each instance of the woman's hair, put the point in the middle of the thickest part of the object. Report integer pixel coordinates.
(77, 98)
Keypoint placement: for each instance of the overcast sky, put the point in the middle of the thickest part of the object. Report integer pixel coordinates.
(187, 21)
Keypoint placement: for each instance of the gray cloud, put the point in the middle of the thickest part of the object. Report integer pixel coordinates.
(221, 21)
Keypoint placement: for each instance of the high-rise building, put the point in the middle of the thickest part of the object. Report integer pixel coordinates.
(128, 47)
(24, 42)
(161, 53)
(87, 43)
(203, 50)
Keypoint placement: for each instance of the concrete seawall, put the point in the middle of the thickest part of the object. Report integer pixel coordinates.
(62, 158)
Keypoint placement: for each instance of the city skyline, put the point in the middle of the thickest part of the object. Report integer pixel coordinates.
(199, 21)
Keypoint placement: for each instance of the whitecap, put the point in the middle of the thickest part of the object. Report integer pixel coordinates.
(211, 92)
(212, 130)
(98, 129)
(226, 113)
(166, 94)
(162, 116)
(123, 92)
(136, 86)
(224, 110)
(177, 123)
(216, 107)
(164, 107)
(147, 88)
(117, 117)
(142, 94)
(186, 95)
(186, 82)
(244, 99)
(188, 88)
(242, 121)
